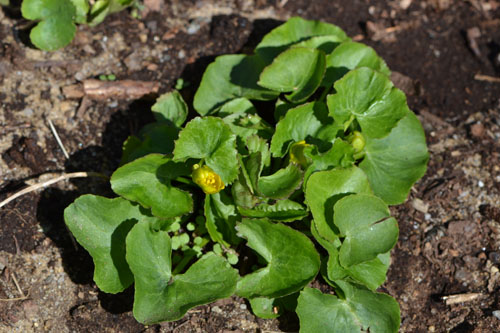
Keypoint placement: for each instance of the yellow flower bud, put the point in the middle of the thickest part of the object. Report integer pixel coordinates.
(207, 179)
(357, 141)
(297, 153)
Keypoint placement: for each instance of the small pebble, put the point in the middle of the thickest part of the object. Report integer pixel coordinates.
(181, 54)
(243, 306)
(216, 309)
(427, 216)
(496, 313)
(480, 184)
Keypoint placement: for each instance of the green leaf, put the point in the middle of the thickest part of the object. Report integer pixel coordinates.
(283, 210)
(245, 125)
(325, 188)
(292, 259)
(360, 311)
(147, 181)
(370, 273)
(368, 230)
(297, 70)
(102, 8)
(159, 296)
(300, 123)
(221, 220)
(170, 108)
(100, 225)
(282, 183)
(82, 8)
(351, 55)
(229, 77)
(394, 163)
(209, 138)
(153, 138)
(324, 43)
(238, 105)
(56, 28)
(295, 30)
(369, 97)
(339, 155)
(264, 307)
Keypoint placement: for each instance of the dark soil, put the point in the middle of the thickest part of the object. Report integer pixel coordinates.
(447, 57)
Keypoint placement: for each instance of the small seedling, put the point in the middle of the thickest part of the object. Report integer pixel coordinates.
(57, 19)
(302, 180)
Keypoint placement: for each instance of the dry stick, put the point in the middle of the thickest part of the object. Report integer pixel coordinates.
(17, 285)
(481, 77)
(35, 187)
(58, 139)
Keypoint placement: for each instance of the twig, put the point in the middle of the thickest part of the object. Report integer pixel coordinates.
(35, 187)
(17, 285)
(58, 139)
(18, 250)
(481, 77)
(460, 298)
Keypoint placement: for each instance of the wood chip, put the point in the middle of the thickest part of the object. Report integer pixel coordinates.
(102, 90)
(487, 78)
(420, 205)
(460, 298)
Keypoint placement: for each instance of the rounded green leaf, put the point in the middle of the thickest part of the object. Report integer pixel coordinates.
(351, 55)
(211, 139)
(360, 311)
(170, 108)
(264, 307)
(325, 188)
(82, 9)
(295, 30)
(147, 180)
(394, 163)
(229, 77)
(56, 28)
(365, 224)
(300, 123)
(153, 138)
(292, 259)
(100, 225)
(297, 70)
(159, 296)
(370, 98)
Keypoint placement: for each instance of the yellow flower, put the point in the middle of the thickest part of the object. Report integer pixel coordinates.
(207, 179)
(297, 153)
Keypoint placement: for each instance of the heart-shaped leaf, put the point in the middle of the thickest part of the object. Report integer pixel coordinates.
(229, 77)
(100, 225)
(394, 163)
(211, 139)
(351, 55)
(365, 224)
(170, 108)
(325, 188)
(153, 138)
(295, 30)
(56, 28)
(147, 180)
(300, 123)
(360, 311)
(298, 71)
(292, 259)
(159, 296)
(369, 97)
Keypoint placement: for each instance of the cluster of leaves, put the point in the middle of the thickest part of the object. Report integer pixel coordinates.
(304, 179)
(57, 19)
